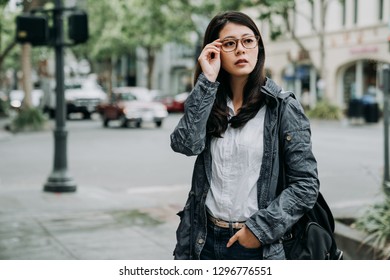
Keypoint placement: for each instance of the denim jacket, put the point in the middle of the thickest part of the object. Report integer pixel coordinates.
(288, 182)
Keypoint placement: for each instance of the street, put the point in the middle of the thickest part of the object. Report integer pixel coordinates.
(112, 158)
(130, 184)
(350, 159)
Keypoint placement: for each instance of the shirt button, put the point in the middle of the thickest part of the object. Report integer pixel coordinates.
(289, 137)
(201, 241)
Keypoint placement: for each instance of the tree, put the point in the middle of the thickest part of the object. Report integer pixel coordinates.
(152, 24)
(126, 25)
(7, 43)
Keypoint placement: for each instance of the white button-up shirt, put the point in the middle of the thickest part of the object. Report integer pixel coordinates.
(236, 163)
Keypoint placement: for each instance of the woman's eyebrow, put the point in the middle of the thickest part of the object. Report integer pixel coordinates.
(243, 35)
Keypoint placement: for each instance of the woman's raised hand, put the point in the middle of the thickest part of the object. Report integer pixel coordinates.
(210, 60)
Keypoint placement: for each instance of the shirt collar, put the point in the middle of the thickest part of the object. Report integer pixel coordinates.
(231, 107)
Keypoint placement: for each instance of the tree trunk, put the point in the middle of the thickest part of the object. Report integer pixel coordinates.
(27, 85)
(291, 29)
(109, 78)
(26, 78)
(151, 56)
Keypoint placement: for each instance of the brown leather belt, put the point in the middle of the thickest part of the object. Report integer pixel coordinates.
(225, 224)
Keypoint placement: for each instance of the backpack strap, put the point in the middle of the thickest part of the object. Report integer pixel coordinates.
(282, 97)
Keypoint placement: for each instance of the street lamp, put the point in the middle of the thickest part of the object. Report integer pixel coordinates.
(34, 29)
(59, 180)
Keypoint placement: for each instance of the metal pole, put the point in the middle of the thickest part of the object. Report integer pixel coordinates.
(386, 118)
(59, 180)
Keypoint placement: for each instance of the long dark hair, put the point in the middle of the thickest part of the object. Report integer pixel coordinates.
(253, 99)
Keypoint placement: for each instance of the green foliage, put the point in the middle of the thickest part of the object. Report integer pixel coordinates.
(28, 119)
(276, 33)
(376, 222)
(326, 111)
(7, 35)
(118, 26)
(4, 107)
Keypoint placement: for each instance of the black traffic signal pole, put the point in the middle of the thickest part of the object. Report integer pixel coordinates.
(59, 180)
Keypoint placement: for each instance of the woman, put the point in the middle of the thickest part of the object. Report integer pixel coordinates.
(232, 121)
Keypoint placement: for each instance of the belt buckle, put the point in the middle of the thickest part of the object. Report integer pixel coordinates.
(221, 223)
(237, 225)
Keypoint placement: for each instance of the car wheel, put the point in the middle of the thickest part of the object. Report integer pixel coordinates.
(87, 115)
(105, 121)
(124, 122)
(52, 114)
(158, 123)
(138, 124)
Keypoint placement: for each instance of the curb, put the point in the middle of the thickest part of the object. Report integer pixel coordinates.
(353, 243)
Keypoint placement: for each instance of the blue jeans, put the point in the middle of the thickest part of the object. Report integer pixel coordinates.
(215, 246)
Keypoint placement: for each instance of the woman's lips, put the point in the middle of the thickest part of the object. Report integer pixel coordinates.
(241, 61)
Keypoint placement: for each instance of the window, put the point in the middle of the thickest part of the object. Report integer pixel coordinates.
(380, 10)
(312, 14)
(343, 13)
(356, 12)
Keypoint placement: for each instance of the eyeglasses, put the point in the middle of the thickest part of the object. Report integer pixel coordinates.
(249, 42)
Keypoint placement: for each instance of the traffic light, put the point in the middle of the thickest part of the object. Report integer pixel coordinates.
(32, 29)
(78, 27)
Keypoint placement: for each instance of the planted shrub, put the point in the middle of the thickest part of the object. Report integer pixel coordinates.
(30, 119)
(376, 223)
(326, 111)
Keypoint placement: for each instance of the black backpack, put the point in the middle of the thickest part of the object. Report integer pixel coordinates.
(312, 237)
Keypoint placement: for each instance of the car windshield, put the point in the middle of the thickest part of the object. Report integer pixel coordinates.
(124, 97)
(72, 86)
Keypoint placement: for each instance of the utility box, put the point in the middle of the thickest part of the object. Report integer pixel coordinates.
(32, 29)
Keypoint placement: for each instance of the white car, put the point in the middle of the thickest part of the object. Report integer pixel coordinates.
(82, 95)
(83, 98)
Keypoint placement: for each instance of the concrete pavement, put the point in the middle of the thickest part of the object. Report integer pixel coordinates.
(92, 224)
(138, 223)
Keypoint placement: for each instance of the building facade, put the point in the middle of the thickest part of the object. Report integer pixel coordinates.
(354, 39)
(337, 52)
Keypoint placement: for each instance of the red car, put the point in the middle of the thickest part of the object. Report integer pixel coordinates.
(174, 103)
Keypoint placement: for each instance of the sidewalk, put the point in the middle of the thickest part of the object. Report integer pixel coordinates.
(88, 224)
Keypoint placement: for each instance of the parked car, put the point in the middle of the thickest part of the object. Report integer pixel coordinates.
(132, 105)
(82, 95)
(83, 98)
(174, 103)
